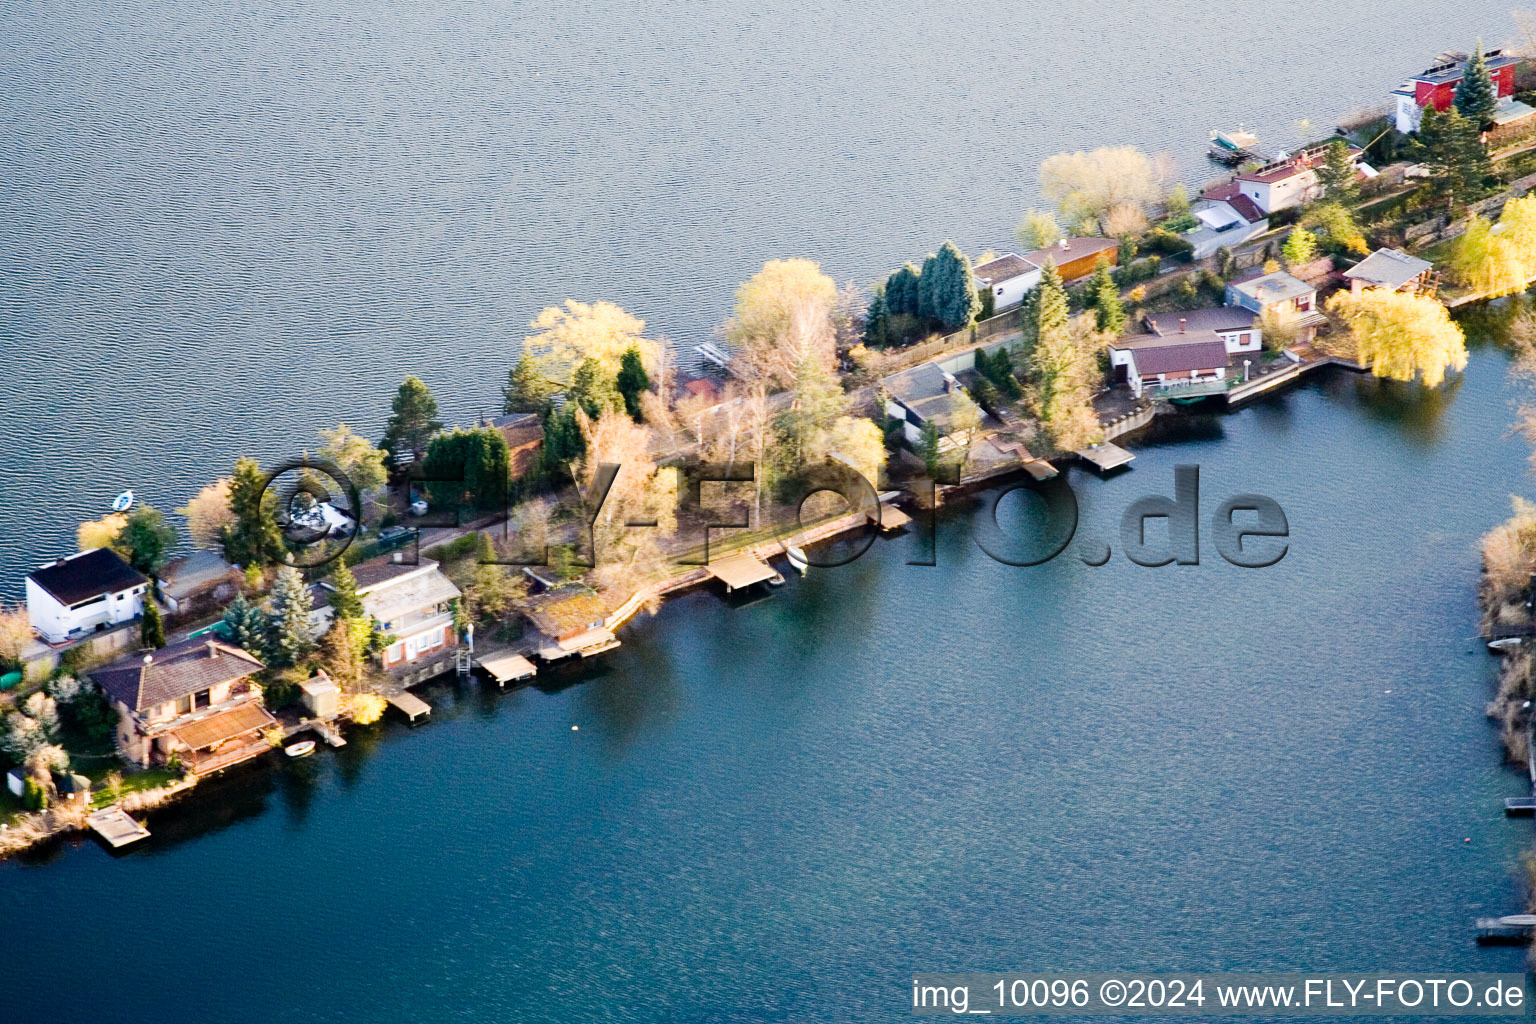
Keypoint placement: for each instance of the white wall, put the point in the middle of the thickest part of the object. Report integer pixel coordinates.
(1012, 291)
(56, 622)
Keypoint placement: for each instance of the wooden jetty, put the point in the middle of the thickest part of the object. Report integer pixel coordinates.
(1512, 929)
(328, 732)
(742, 569)
(1520, 806)
(508, 668)
(1105, 456)
(585, 643)
(892, 518)
(412, 706)
(1039, 469)
(114, 825)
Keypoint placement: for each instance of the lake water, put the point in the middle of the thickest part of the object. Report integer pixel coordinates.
(222, 229)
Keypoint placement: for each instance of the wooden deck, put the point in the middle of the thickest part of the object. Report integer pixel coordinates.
(412, 706)
(114, 825)
(1105, 457)
(741, 570)
(508, 668)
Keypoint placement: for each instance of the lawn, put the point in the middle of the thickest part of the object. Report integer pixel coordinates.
(152, 778)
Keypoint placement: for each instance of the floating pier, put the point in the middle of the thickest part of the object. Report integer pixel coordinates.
(1513, 929)
(1520, 806)
(412, 706)
(892, 518)
(508, 668)
(114, 825)
(1104, 457)
(586, 643)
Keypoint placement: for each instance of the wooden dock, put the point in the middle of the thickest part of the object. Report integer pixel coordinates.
(508, 668)
(412, 706)
(114, 825)
(1513, 929)
(1105, 457)
(892, 518)
(740, 570)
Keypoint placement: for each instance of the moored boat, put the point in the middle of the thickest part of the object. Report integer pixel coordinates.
(123, 502)
(301, 749)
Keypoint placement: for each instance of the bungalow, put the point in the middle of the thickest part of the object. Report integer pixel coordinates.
(1436, 86)
(192, 700)
(1290, 299)
(921, 394)
(413, 604)
(1009, 277)
(1076, 257)
(93, 590)
(1227, 217)
(197, 583)
(1237, 327)
(1392, 269)
(524, 434)
(1193, 363)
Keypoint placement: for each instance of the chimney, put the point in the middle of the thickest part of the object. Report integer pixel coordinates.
(1065, 245)
(1183, 325)
(397, 557)
(213, 649)
(1152, 324)
(148, 658)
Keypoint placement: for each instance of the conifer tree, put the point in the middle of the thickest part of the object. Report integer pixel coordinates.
(632, 381)
(1338, 174)
(1476, 97)
(1300, 247)
(246, 625)
(413, 419)
(253, 538)
(344, 598)
(152, 626)
(288, 629)
(952, 287)
(1108, 311)
(594, 388)
(901, 291)
(527, 390)
(1045, 308)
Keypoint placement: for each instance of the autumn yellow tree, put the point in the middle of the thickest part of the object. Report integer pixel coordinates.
(208, 514)
(1517, 225)
(783, 316)
(1487, 261)
(100, 533)
(577, 331)
(15, 633)
(627, 556)
(1400, 336)
(1063, 372)
(1088, 185)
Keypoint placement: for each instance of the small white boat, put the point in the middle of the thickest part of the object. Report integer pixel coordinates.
(1507, 643)
(123, 502)
(301, 749)
(776, 580)
(798, 560)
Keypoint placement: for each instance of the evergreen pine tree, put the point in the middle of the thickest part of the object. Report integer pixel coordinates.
(413, 419)
(288, 630)
(632, 381)
(1045, 308)
(955, 302)
(344, 598)
(253, 538)
(927, 283)
(901, 291)
(246, 625)
(1108, 310)
(1337, 175)
(1476, 97)
(874, 318)
(1300, 247)
(152, 626)
(594, 389)
(563, 443)
(527, 390)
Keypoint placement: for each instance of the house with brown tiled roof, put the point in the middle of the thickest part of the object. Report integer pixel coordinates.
(191, 701)
(524, 434)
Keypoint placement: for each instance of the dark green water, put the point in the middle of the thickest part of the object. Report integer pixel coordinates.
(779, 811)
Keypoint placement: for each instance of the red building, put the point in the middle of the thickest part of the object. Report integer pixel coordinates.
(1436, 86)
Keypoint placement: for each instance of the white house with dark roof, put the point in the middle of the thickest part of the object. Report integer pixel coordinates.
(94, 590)
(1227, 218)
(1290, 299)
(413, 604)
(192, 700)
(1009, 277)
(1192, 363)
(923, 394)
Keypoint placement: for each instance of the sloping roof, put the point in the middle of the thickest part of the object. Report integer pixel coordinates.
(1069, 250)
(1276, 287)
(144, 681)
(561, 612)
(1202, 351)
(409, 594)
(1280, 173)
(1247, 208)
(925, 390)
(189, 574)
(1388, 268)
(1004, 268)
(518, 428)
(224, 726)
(1440, 74)
(372, 575)
(1220, 318)
(86, 575)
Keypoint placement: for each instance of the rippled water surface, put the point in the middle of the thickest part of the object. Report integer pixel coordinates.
(221, 229)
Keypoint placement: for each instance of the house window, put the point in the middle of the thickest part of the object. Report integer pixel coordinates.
(1303, 304)
(200, 699)
(184, 705)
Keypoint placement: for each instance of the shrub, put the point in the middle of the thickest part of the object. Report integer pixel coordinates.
(35, 797)
(1169, 244)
